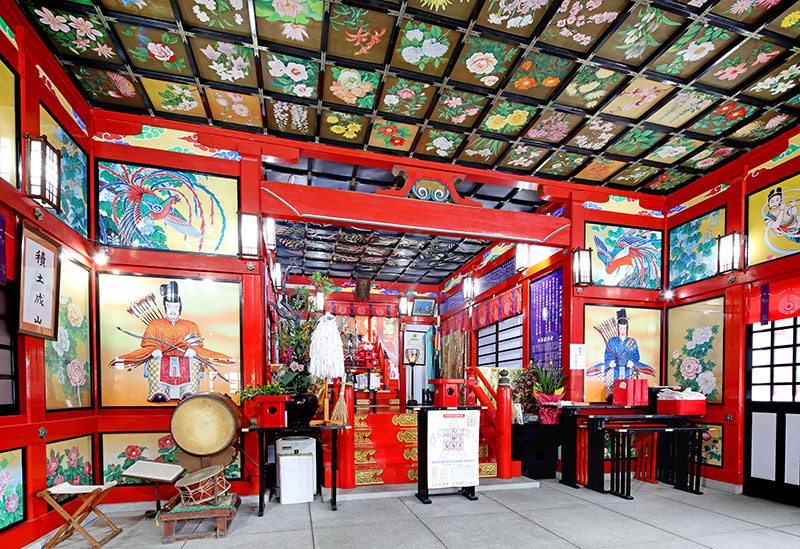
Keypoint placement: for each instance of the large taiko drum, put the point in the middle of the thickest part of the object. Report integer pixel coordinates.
(205, 424)
(203, 485)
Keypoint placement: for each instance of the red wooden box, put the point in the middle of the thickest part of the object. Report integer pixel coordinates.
(446, 391)
(682, 407)
(268, 411)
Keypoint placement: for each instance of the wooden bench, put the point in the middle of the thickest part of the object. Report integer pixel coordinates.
(176, 519)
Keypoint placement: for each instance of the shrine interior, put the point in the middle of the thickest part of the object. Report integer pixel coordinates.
(284, 271)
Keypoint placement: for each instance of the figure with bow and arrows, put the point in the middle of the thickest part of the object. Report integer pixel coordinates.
(621, 360)
(172, 349)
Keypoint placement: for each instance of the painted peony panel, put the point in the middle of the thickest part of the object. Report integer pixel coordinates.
(12, 485)
(68, 359)
(626, 257)
(121, 450)
(70, 461)
(695, 344)
(693, 248)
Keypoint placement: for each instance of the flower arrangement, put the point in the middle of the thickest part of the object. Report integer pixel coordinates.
(299, 318)
(534, 380)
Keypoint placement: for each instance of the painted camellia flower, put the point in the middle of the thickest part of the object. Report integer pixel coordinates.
(695, 51)
(706, 382)
(296, 71)
(690, 367)
(406, 93)
(72, 456)
(287, 8)
(160, 52)
(166, 442)
(301, 90)
(391, 99)
(133, 452)
(481, 63)
(52, 465)
(76, 373)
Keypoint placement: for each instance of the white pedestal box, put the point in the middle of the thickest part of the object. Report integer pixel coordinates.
(295, 478)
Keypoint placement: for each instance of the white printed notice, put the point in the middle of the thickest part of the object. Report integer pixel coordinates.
(453, 448)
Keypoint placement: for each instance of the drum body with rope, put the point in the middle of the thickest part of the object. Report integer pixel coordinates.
(205, 485)
(206, 424)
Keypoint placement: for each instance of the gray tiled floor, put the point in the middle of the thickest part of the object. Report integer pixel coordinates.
(552, 516)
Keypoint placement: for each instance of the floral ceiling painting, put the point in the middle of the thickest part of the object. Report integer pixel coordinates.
(647, 95)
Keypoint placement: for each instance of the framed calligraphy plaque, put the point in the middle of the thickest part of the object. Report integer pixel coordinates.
(40, 259)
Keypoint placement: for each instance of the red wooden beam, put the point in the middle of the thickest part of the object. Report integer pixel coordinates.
(320, 205)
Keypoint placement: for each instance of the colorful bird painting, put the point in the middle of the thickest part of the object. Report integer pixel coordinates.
(140, 206)
(633, 262)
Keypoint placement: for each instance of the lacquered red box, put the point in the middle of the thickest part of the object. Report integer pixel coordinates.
(268, 411)
(682, 407)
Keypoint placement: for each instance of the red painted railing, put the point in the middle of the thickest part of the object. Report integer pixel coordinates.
(495, 420)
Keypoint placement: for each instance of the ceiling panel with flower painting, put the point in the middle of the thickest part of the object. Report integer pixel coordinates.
(646, 95)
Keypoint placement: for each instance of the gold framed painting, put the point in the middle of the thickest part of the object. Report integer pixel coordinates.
(161, 341)
(40, 262)
(696, 347)
(621, 343)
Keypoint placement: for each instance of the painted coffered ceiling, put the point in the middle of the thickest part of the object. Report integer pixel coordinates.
(637, 95)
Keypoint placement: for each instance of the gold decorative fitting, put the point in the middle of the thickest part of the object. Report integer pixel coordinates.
(405, 420)
(410, 454)
(412, 474)
(370, 476)
(487, 470)
(408, 436)
(250, 266)
(362, 437)
(363, 402)
(483, 451)
(360, 421)
(365, 456)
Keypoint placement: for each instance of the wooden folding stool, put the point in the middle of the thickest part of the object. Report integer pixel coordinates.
(91, 496)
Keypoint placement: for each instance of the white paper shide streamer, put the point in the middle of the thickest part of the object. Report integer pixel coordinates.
(327, 354)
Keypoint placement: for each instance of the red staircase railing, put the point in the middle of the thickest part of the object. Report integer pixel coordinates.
(495, 420)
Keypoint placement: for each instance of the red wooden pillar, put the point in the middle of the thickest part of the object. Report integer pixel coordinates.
(346, 458)
(503, 427)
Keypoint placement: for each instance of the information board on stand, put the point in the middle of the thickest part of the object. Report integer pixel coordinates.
(449, 450)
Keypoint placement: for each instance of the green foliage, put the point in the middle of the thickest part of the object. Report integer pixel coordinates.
(270, 389)
(535, 379)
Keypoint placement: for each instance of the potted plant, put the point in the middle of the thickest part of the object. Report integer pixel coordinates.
(535, 386)
(265, 405)
(299, 317)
